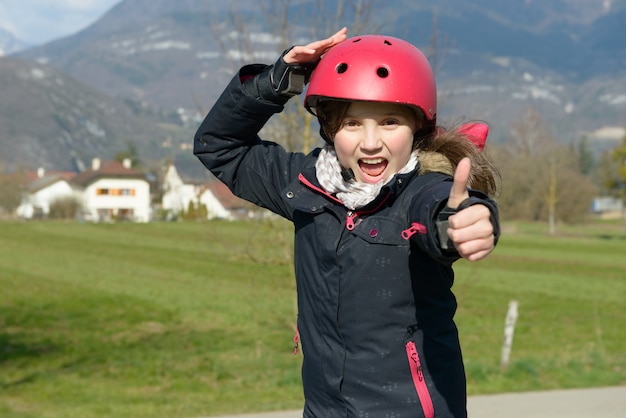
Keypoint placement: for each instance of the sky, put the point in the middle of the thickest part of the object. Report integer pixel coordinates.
(41, 21)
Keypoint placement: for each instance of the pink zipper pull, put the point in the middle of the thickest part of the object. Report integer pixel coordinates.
(350, 220)
(416, 228)
(296, 341)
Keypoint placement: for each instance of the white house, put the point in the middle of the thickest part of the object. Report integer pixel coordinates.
(215, 207)
(43, 190)
(112, 190)
(607, 205)
(178, 195)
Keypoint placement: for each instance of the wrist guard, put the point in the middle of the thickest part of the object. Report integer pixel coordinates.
(276, 83)
(445, 242)
(290, 79)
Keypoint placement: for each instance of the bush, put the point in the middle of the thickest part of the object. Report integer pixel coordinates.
(65, 208)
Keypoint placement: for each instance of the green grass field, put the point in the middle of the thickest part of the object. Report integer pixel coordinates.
(197, 319)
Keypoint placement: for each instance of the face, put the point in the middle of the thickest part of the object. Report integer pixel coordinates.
(375, 140)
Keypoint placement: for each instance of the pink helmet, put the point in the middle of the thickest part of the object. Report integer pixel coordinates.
(374, 68)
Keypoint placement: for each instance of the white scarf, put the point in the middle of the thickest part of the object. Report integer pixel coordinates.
(352, 193)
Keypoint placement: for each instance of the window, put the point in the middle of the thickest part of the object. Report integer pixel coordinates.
(115, 192)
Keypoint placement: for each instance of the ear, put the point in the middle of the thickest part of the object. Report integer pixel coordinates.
(476, 132)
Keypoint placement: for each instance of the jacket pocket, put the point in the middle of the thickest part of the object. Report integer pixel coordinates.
(380, 230)
(413, 341)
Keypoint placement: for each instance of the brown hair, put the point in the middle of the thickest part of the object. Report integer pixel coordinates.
(454, 146)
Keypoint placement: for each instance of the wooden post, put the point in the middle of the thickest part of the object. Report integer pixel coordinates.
(509, 329)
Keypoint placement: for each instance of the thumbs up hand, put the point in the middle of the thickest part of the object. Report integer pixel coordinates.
(470, 229)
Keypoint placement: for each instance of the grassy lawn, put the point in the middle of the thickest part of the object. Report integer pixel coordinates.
(571, 326)
(197, 319)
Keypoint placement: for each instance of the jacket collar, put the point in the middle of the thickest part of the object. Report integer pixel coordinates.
(319, 197)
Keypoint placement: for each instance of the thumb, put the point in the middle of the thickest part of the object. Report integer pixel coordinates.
(459, 193)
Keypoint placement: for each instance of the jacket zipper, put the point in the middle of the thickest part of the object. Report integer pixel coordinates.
(350, 220)
(418, 380)
(415, 228)
(352, 214)
(296, 341)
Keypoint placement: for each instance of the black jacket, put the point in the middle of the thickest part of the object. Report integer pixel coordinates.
(374, 288)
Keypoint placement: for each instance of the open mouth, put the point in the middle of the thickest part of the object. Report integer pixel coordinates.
(373, 168)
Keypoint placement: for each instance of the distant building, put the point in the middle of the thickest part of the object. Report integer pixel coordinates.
(607, 205)
(179, 196)
(44, 189)
(111, 190)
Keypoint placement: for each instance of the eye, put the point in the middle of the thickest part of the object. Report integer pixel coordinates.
(391, 122)
(350, 123)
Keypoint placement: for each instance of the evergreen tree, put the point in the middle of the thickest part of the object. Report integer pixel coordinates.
(586, 159)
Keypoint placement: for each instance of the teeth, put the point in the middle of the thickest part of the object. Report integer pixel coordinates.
(373, 161)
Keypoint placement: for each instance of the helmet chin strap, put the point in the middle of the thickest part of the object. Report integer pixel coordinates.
(347, 174)
(324, 136)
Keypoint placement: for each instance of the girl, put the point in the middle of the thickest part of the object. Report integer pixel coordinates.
(380, 214)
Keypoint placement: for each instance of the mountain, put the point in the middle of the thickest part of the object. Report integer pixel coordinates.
(156, 51)
(9, 44)
(55, 122)
(494, 58)
(577, 38)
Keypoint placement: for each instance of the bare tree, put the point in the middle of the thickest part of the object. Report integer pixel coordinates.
(529, 134)
(283, 23)
(551, 195)
(437, 47)
(13, 185)
(541, 177)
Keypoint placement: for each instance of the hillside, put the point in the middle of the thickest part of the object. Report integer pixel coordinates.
(9, 44)
(494, 59)
(574, 37)
(53, 121)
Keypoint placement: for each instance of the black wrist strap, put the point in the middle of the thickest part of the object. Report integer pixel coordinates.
(276, 83)
(445, 242)
(290, 79)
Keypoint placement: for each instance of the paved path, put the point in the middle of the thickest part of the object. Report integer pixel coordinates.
(573, 403)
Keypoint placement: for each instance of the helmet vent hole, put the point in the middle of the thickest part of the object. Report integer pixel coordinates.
(387, 43)
(342, 68)
(382, 72)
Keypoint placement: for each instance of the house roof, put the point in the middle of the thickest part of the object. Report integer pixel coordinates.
(108, 169)
(38, 180)
(42, 182)
(33, 176)
(225, 196)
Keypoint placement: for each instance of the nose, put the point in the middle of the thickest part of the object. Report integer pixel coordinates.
(371, 141)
